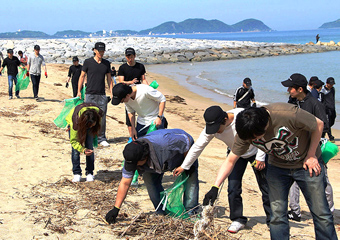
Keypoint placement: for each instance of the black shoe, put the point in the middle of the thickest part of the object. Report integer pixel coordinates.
(331, 139)
(293, 216)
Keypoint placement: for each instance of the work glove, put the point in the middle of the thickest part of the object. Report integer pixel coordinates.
(211, 196)
(112, 215)
(27, 74)
(108, 99)
(191, 170)
(46, 74)
(254, 104)
(66, 85)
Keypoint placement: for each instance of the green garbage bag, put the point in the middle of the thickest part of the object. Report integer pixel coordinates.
(328, 150)
(172, 198)
(152, 128)
(22, 80)
(69, 105)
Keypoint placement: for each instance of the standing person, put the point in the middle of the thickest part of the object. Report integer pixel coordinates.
(317, 38)
(290, 136)
(244, 95)
(328, 92)
(142, 99)
(311, 86)
(84, 124)
(74, 73)
(1, 57)
(96, 68)
(221, 125)
(12, 63)
(35, 61)
(152, 155)
(22, 58)
(297, 88)
(113, 74)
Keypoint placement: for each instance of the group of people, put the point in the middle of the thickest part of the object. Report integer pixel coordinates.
(280, 141)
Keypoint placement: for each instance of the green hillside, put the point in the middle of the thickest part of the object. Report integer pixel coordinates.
(250, 25)
(335, 24)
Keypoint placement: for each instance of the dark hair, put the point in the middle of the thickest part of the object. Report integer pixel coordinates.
(224, 121)
(20, 52)
(85, 122)
(251, 122)
(304, 88)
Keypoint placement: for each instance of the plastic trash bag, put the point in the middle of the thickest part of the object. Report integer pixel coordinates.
(152, 128)
(22, 80)
(328, 150)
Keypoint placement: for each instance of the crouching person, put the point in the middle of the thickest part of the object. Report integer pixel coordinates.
(152, 155)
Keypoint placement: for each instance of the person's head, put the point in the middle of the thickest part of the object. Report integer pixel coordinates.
(99, 49)
(20, 53)
(10, 53)
(130, 56)
(89, 120)
(252, 123)
(247, 83)
(135, 154)
(330, 82)
(36, 49)
(120, 93)
(215, 120)
(312, 81)
(318, 85)
(75, 61)
(297, 86)
(113, 68)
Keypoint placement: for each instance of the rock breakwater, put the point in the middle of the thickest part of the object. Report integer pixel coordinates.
(153, 50)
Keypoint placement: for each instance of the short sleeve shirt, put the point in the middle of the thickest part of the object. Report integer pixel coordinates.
(74, 72)
(132, 72)
(96, 73)
(287, 138)
(244, 102)
(35, 63)
(12, 65)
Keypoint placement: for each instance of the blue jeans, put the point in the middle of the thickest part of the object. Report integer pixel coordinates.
(35, 84)
(153, 183)
(235, 190)
(141, 133)
(76, 169)
(313, 189)
(12, 78)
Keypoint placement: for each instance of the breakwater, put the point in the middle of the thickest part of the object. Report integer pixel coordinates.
(153, 50)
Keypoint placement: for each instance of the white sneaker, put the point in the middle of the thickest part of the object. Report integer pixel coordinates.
(104, 144)
(235, 227)
(76, 178)
(10, 97)
(89, 178)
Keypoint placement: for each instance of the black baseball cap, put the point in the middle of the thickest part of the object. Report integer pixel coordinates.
(119, 91)
(318, 83)
(9, 50)
(213, 117)
(36, 47)
(130, 51)
(100, 46)
(75, 59)
(330, 80)
(133, 152)
(296, 79)
(247, 82)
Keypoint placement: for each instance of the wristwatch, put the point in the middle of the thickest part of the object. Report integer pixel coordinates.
(160, 117)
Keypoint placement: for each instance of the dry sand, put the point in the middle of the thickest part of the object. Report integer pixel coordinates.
(36, 155)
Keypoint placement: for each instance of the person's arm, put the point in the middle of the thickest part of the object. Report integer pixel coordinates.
(123, 189)
(311, 162)
(260, 160)
(109, 83)
(133, 133)
(80, 83)
(158, 121)
(235, 104)
(143, 80)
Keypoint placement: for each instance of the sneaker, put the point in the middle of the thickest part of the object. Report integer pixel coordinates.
(17, 96)
(89, 178)
(332, 140)
(235, 227)
(104, 144)
(293, 216)
(10, 97)
(76, 178)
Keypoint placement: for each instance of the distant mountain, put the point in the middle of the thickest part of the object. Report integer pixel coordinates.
(71, 33)
(251, 25)
(335, 24)
(24, 34)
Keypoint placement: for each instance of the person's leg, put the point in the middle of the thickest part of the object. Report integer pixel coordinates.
(35, 84)
(263, 185)
(313, 189)
(141, 130)
(89, 159)
(153, 183)
(294, 199)
(235, 191)
(38, 84)
(190, 197)
(279, 182)
(329, 192)
(15, 81)
(74, 88)
(10, 85)
(75, 157)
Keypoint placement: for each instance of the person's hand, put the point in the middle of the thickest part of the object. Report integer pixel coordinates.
(211, 196)
(28, 74)
(259, 165)
(79, 94)
(46, 74)
(66, 84)
(112, 215)
(88, 152)
(158, 121)
(178, 171)
(312, 164)
(133, 134)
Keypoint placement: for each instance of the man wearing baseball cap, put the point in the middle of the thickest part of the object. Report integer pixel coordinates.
(244, 95)
(12, 63)
(221, 124)
(74, 73)
(328, 92)
(152, 155)
(97, 69)
(34, 63)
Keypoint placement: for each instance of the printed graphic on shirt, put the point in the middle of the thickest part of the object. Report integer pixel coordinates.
(280, 146)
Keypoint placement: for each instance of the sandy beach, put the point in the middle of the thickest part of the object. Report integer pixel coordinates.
(37, 168)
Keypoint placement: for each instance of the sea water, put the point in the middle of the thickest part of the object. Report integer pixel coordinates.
(218, 80)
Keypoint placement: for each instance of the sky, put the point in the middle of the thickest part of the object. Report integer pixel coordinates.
(50, 16)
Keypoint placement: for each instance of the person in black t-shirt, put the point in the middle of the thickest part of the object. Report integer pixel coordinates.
(328, 92)
(74, 73)
(244, 95)
(96, 68)
(12, 63)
